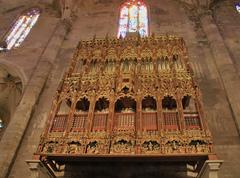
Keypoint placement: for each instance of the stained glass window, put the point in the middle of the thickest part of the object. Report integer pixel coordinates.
(20, 29)
(133, 18)
(238, 7)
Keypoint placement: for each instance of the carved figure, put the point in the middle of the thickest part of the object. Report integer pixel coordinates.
(93, 148)
(122, 146)
(121, 69)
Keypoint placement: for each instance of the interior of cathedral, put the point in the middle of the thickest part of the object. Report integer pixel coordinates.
(119, 88)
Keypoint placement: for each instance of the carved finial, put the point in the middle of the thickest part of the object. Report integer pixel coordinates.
(153, 35)
(120, 37)
(106, 38)
(79, 44)
(94, 38)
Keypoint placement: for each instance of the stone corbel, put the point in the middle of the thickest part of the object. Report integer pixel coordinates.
(38, 170)
(67, 9)
(210, 169)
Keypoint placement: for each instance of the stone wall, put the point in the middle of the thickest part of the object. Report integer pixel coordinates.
(227, 20)
(166, 16)
(35, 58)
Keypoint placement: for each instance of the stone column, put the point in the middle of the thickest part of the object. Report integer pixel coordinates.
(210, 169)
(67, 8)
(224, 64)
(38, 170)
(15, 131)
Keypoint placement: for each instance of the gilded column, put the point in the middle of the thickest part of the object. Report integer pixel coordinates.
(159, 114)
(180, 112)
(200, 110)
(91, 113)
(110, 121)
(55, 107)
(139, 121)
(70, 116)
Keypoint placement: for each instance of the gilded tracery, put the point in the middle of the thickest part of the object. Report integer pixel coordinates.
(124, 98)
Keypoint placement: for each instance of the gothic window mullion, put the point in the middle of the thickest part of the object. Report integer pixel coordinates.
(20, 29)
(23, 30)
(137, 18)
(128, 20)
(27, 30)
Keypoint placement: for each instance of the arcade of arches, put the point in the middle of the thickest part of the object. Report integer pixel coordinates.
(34, 94)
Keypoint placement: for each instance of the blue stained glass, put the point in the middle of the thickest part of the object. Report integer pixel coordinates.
(238, 7)
(1, 124)
(133, 18)
(123, 23)
(133, 21)
(143, 21)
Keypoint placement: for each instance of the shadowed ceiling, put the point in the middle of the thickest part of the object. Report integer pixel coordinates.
(10, 5)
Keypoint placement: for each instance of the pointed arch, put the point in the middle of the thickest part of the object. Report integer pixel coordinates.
(133, 18)
(20, 29)
(237, 5)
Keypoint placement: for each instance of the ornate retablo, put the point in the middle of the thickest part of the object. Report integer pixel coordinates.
(133, 96)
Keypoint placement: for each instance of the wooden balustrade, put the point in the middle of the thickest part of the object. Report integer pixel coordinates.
(149, 121)
(59, 123)
(171, 120)
(79, 122)
(192, 120)
(124, 121)
(100, 122)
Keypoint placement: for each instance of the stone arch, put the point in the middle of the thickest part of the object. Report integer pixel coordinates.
(149, 103)
(14, 70)
(23, 23)
(102, 104)
(11, 89)
(125, 19)
(82, 105)
(64, 106)
(169, 103)
(189, 103)
(125, 104)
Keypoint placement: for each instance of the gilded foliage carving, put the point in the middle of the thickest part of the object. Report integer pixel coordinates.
(118, 68)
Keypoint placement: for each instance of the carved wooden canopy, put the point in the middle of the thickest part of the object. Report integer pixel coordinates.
(133, 96)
